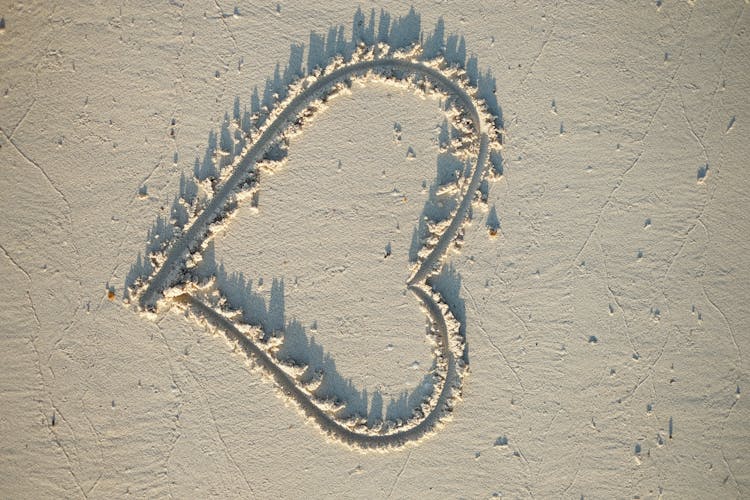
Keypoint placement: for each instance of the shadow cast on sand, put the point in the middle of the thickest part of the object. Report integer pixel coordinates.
(300, 347)
(223, 145)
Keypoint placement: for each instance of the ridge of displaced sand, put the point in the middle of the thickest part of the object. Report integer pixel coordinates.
(173, 282)
(168, 273)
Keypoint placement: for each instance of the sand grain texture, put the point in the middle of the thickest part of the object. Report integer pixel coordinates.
(606, 320)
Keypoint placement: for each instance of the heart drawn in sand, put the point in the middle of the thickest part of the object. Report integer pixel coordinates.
(168, 276)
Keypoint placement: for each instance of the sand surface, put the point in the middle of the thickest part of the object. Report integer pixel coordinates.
(605, 321)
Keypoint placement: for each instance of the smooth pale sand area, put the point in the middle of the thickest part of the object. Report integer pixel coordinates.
(600, 283)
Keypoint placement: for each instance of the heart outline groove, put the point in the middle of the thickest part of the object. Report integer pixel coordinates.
(166, 278)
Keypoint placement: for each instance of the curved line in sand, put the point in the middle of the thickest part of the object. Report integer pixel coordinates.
(450, 377)
(169, 271)
(327, 423)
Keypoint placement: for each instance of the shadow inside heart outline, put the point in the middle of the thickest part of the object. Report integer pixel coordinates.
(297, 346)
(450, 356)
